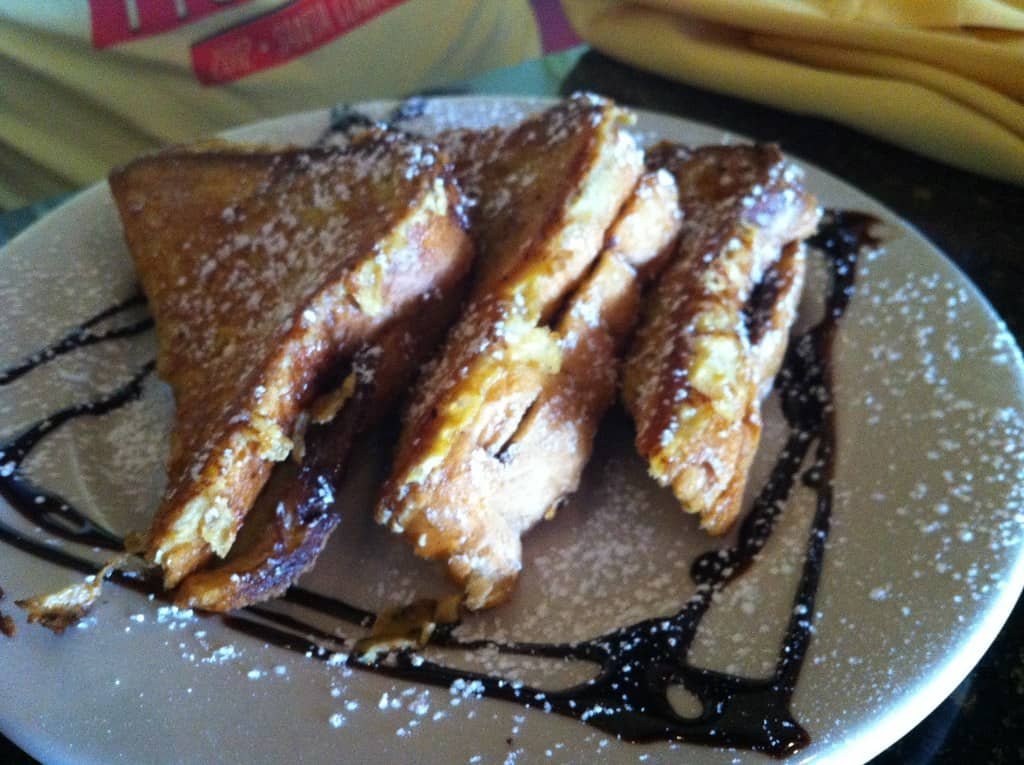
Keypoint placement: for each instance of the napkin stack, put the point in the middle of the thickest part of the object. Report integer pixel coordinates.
(941, 77)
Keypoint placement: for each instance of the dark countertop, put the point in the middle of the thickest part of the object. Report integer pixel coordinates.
(978, 223)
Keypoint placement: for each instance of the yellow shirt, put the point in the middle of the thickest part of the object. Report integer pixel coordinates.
(88, 84)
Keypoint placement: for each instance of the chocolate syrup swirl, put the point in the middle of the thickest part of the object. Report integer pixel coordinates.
(638, 663)
(46, 509)
(81, 336)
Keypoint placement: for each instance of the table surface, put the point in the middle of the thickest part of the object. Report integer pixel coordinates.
(978, 223)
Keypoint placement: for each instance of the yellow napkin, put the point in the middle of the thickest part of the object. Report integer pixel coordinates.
(940, 77)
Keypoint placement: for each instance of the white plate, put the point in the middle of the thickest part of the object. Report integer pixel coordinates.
(923, 564)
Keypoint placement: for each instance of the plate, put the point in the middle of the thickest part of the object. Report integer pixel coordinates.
(922, 559)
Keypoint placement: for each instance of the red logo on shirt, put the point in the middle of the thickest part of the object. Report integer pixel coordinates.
(279, 36)
(260, 42)
(118, 21)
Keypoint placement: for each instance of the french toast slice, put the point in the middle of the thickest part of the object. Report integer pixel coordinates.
(299, 507)
(509, 485)
(716, 326)
(512, 394)
(264, 269)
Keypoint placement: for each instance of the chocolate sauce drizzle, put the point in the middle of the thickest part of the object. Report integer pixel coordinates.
(41, 506)
(638, 663)
(344, 119)
(81, 336)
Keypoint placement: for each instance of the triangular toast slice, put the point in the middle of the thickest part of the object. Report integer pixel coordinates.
(541, 197)
(264, 269)
(716, 326)
(495, 489)
(300, 506)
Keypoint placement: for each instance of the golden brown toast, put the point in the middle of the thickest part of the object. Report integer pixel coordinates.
(511, 485)
(541, 195)
(299, 507)
(512, 396)
(264, 269)
(716, 326)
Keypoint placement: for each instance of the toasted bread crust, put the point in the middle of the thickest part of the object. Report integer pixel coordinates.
(263, 270)
(695, 375)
